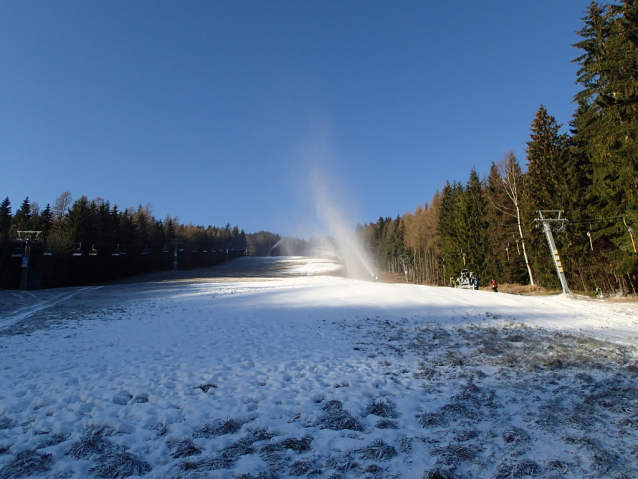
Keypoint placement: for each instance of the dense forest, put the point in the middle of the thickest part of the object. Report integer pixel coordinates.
(586, 180)
(89, 241)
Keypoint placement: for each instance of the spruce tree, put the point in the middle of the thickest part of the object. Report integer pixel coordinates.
(46, 220)
(476, 246)
(451, 228)
(497, 233)
(546, 188)
(606, 126)
(22, 218)
(5, 219)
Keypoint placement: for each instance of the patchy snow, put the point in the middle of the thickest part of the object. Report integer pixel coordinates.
(312, 375)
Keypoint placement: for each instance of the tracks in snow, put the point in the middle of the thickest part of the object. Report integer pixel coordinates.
(14, 317)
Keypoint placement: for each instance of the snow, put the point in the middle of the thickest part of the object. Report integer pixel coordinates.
(307, 374)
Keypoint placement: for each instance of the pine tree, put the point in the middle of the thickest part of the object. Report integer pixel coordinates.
(451, 228)
(476, 245)
(606, 125)
(22, 218)
(5, 219)
(546, 188)
(46, 220)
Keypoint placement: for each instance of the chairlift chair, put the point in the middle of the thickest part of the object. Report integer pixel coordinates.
(78, 251)
(165, 250)
(194, 250)
(116, 251)
(48, 252)
(17, 253)
(146, 250)
(93, 251)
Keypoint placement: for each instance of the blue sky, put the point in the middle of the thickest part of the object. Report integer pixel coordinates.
(219, 112)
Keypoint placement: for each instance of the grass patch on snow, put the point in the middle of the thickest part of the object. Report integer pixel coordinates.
(27, 464)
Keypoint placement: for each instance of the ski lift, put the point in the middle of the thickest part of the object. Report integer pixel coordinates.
(194, 250)
(122, 251)
(116, 251)
(181, 248)
(78, 251)
(165, 250)
(48, 252)
(204, 251)
(17, 253)
(146, 250)
(93, 251)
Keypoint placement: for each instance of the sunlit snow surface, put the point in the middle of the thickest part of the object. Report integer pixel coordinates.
(311, 375)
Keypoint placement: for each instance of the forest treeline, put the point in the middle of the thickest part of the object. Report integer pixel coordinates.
(89, 241)
(489, 225)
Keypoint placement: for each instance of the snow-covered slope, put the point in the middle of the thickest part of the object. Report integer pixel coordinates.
(315, 376)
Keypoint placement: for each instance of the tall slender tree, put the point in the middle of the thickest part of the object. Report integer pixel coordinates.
(451, 228)
(476, 246)
(545, 189)
(513, 186)
(5, 219)
(605, 126)
(23, 217)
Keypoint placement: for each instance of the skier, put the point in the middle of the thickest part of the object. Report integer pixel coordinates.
(476, 282)
(494, 285)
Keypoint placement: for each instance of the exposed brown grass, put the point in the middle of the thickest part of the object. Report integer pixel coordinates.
(630, 298)
(524, 289)
(387, 277)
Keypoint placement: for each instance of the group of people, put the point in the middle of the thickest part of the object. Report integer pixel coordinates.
(470, 279)
(494, 284)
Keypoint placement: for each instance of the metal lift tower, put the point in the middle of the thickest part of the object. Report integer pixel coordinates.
(547, 228)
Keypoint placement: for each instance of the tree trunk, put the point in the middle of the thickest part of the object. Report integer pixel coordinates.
(520, 233)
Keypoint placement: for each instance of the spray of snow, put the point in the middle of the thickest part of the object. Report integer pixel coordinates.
(330, 205)
(347, 246)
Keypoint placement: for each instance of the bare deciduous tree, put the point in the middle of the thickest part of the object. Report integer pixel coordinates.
(512, 179)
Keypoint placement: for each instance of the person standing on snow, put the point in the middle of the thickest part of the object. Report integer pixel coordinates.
(494, 285)
(476, 282)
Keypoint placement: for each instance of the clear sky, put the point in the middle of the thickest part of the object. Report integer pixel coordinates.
(219, 111)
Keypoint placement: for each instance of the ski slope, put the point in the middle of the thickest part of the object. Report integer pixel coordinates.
(305, 374)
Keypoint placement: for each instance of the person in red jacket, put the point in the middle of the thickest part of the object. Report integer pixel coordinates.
(494, 285)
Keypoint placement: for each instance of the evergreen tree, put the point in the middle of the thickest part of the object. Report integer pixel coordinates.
(77, 222)
(476, 245)
(546, 188)
(5, 219)
(606, 127)
(46, 220)
(451, 228)
(23, 217)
